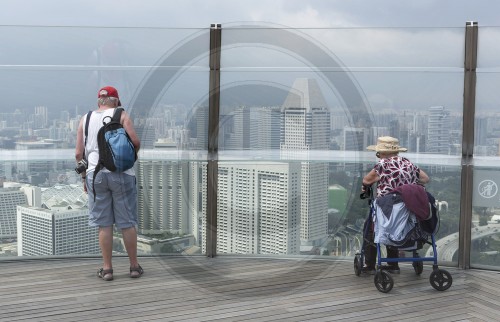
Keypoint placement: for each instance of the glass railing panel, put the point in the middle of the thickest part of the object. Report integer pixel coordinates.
(485, 195)
(486, 48)
(347, 99)
(161, 76)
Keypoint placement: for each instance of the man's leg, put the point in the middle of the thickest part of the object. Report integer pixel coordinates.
(130, 240)
(106, 244)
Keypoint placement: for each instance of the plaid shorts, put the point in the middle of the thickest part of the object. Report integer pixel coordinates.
(115, 202)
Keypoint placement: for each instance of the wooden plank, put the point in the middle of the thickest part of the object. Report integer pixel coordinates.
(235, 288)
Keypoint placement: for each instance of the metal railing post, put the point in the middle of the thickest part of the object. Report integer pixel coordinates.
(213, 137)
(469, 109)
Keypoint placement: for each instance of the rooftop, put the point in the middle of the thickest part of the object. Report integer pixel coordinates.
(230, 288)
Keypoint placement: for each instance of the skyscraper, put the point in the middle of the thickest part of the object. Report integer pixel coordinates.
(305, 126)
(438, 130)
(239, 138)
(41, 117)
(355, 139)
(266, 128)
(250, 128)
(201, 117)
(163, 196)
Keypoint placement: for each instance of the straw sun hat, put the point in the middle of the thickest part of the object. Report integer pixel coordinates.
(387, 144)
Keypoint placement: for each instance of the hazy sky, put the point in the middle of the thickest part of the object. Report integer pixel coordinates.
(403, 54)
(294, 13)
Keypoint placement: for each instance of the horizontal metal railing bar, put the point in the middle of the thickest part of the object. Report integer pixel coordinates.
(202, 68)
(242, 156)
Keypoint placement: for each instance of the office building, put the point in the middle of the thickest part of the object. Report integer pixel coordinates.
(238, 138)
(201, 117)
(55, 232)
(355, 139)
(147, 135)
(438, 130)
(10, 198)
(265, 128)
(250, 128)
(305, 127)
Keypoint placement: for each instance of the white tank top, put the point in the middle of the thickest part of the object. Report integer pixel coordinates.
(91, 148)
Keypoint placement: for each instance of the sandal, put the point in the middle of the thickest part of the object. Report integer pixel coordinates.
(136, 272)
(105, 274)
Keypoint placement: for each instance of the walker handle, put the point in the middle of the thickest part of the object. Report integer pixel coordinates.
(366, 193)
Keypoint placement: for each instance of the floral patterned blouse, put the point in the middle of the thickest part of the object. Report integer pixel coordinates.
(394, 172)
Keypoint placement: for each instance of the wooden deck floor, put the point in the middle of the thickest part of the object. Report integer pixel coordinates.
(237, 289)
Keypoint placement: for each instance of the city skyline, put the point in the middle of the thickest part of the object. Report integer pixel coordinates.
(251, 206)
(24, 131)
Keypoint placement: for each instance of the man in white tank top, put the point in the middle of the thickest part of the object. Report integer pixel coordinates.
(115, 201)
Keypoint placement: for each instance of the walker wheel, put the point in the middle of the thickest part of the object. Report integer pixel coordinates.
(358, 265)
(383, 281)
(440, 279)
(418, 267)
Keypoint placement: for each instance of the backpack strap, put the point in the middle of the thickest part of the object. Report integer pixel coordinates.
(87, 121)
(117, 115)
(98, 168)
(116, 118)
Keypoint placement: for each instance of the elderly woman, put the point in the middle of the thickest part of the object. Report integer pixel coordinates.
(390, 172)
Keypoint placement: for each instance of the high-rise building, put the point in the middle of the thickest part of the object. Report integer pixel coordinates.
(239, 137)
(197, 192)
(33, 195)
(438, 130)
(10, 198)
(258, 208)
(41, 117)
(201, 116)
(163, 196)
(355, 139)
(226, 126)
(147, 136)
(55, 232)
(480, 131)
(250, 128)
(338, 121)
(265, 129)
(305, 126)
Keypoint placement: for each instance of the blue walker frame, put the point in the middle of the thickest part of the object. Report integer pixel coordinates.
(439, 279)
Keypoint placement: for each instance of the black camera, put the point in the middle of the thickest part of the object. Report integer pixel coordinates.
(81, 166)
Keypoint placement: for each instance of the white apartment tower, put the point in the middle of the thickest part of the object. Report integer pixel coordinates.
(10, 198)
(305, 126)
(258, 208)
(55, 232)
(163, 196)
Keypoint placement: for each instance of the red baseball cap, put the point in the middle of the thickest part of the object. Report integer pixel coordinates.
(109, 91)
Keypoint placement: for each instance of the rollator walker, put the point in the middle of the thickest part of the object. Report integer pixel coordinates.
(423, 232)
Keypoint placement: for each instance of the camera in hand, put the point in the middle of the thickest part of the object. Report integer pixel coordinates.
(81, 166)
